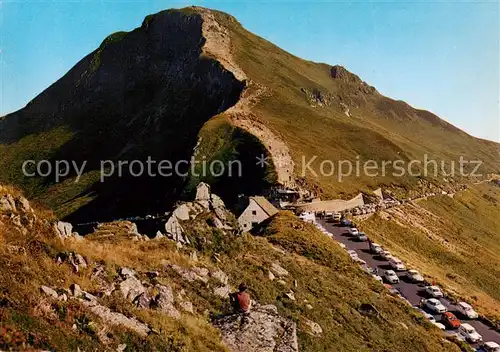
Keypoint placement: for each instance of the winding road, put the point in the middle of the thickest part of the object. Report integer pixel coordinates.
(411, 291)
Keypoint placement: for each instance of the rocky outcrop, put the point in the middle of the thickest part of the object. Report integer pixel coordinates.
(132, 288)
(312, 327)
(77, 261)
(278, 270)
(7, 204)
(164, 301)
(262, 330)
(63, 229)
(205, 202)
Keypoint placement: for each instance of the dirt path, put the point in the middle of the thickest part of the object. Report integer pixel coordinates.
(218, 46)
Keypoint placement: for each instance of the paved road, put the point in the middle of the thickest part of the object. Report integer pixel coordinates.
(411, 291)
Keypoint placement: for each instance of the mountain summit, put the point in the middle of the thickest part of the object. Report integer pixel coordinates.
(193, 84)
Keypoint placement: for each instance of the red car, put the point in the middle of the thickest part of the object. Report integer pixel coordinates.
(450, 320)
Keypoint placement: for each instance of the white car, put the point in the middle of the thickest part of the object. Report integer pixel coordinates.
(378, 278)
(376, 248)
(391, 276)
(429, 317)
(396, 264)
(434, 305)
(354, 256)
(414, 276)
(469, 333)
(490, 346)
(386, 255)
(352, 253)
(434, 291)
(439, 325)
(466, 310)
(353, 231)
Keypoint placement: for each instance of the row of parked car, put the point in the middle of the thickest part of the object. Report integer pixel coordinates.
(448, 320)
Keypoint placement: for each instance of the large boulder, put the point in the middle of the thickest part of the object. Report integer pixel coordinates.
(175, 231)
(132, 288)
(63, 229)
(203, 194)
(164, 301)
(262, 330)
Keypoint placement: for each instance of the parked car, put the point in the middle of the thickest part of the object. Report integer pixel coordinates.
(396, 264)
(345, 222)
(375, 248)
(433, 291)
(337, 217)
(439, 325)
(378, 278)
(329, 216)
(414, 276)
(490, 346)
(449, 319)
(466, 310)
(352, 253)
(434, 305)
(361, 236)
(391, 276)
(353, 231)
(469, 333)
(354, 256)
(386, 255)
(429, 317)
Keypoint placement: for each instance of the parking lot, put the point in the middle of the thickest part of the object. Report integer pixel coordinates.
(413, 292)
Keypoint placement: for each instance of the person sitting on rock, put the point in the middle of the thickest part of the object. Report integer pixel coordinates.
(240, 301)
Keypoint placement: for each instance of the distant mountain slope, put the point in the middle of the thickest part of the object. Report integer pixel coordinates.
(156, 90)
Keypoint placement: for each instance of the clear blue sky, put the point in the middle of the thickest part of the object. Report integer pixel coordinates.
(443, 57)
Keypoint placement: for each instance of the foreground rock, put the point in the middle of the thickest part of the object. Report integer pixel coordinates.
(261, 330)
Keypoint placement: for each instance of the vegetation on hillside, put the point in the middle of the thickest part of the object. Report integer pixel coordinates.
(328, 289)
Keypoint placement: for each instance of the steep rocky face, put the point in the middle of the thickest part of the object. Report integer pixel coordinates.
(142, 93)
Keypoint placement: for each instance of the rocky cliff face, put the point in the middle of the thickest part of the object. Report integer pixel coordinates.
(141, 93)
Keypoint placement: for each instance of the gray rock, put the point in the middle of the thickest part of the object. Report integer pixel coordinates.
(116, 319)
(127, 272)
(312, 327)
(190, 275)
(185, 305)
(261, 330)
(132, 288)
(23, 205)
(182, 212)
(222, 291)
(143, 301)
(220, 276)
(63, 229)
(164, 301)
(49, 291)
(193, 256)
(290, 295)
(203, 194)
(175, 231)
(270, 275)
(278, 270)
(7, 204)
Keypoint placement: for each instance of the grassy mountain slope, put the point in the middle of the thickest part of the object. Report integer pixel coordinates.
(329, 290)
(379, 128)
(455, 241)
(153, 92)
